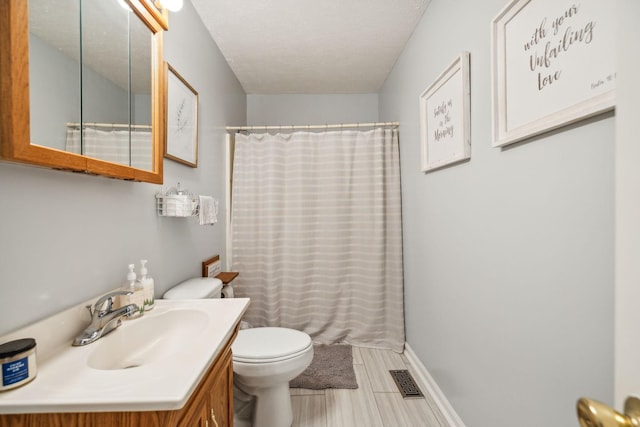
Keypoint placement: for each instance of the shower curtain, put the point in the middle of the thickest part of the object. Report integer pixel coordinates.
(317, 238)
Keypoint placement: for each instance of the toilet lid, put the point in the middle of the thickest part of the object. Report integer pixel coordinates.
(261, 345)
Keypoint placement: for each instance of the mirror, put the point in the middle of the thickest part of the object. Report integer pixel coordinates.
(90, 103)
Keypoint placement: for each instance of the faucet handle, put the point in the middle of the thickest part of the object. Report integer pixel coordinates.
(99, 306)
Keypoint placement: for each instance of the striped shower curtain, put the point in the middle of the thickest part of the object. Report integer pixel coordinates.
(317, 238)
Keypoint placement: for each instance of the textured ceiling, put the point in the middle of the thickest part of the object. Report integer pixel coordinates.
(311, 47)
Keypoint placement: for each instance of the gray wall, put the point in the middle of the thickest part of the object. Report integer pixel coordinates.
(68, 237)
(311, 109)
(627, 179)
(508, 257)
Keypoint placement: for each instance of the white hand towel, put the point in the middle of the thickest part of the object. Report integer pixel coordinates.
(208, 210)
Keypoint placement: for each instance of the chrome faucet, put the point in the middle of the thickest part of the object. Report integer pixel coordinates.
(104, 319)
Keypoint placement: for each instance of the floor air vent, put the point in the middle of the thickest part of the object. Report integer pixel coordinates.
(407, 386)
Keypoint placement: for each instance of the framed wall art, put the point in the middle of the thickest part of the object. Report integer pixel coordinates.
(211, 267)
(182, 120)
(553, 64)
(445, 112)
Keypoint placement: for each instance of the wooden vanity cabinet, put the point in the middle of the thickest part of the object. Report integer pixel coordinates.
(210, 405)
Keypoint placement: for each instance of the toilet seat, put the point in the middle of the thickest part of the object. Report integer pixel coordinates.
(269, 344)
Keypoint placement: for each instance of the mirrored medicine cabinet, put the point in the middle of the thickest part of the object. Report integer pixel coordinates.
(82, 86)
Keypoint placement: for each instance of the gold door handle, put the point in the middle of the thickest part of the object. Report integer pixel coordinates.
(592, 413)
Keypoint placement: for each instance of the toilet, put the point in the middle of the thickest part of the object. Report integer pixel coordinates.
(264, 361)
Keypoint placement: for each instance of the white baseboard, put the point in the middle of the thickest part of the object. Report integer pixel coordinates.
(438, 397)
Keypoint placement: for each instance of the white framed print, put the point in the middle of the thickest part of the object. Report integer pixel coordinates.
(182, 120)
(553, 64)
(445, 113)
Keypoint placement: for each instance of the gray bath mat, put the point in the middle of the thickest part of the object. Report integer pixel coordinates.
(332, 367)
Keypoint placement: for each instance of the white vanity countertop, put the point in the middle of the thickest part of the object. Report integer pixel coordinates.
(164, 380)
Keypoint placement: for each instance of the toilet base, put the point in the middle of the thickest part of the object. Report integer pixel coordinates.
(243, 406)
(271, 408)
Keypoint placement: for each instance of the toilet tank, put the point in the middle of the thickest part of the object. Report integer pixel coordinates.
(196, 288)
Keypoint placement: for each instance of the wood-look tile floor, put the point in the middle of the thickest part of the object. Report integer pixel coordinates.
(375, 403)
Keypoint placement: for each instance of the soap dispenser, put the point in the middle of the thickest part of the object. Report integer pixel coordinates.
(147, 286)
(137, 294)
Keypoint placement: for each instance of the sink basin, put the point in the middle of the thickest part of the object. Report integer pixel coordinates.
(151, 363)
(146, 340)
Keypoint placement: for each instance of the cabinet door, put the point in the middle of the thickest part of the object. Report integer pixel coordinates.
(221, 397)
(197, 416)
(218, 402)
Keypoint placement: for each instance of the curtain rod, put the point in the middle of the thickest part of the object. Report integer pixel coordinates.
(108, 125)
(309, 127)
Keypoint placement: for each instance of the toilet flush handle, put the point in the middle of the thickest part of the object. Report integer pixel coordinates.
(592, 413)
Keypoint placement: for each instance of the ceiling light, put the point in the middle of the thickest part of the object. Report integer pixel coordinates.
(172, 5)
